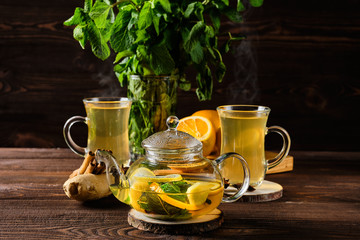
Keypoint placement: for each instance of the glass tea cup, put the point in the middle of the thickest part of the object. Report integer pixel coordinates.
(243, 130)
(107, 119)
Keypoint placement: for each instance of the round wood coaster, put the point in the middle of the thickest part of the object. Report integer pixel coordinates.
(267, 191)
(196, 225)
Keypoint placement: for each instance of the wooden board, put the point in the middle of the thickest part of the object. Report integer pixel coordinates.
(266, 192)
(285, 166)
(201, 224)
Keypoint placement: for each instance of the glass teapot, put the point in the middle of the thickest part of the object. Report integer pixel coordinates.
(173, 181)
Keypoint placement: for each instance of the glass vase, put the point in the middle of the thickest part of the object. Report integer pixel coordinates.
(154, 99)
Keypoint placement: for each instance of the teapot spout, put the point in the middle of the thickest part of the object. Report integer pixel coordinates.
(115, 175)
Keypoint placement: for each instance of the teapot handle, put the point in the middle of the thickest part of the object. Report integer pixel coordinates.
(244, 187)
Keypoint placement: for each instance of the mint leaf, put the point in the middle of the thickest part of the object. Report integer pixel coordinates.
(99, 13)
(87, 6)
(106, 31)
(233, 15)
(210, 33)
(80, 34)
(199, 90)
(184, 84)
(142, 36)
(123, 54)
(134, 19)
(220, 71)
(145, 18)
(189, 10)
(160, 60)
(98, 46)
(141, 54)
(121, 38)
(170, 187)
(152, 203)
(165, 5)
(197, 53)
(205, 84)
(183, 186)
(194, 35)
(76, 19)
(156, 23)
(256, 3)
(240, 6)
(197, 8)
(226, 2)
(215, 19)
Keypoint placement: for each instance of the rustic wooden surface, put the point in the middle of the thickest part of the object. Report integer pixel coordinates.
(306, 70)
(321, 201)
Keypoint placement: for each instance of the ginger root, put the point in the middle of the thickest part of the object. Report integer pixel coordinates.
(88, 182)
(87, 187)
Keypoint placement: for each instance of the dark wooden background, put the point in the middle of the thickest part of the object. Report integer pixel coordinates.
(301, 59)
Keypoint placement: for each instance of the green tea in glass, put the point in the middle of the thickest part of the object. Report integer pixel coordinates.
(243, 130)
(107, 120)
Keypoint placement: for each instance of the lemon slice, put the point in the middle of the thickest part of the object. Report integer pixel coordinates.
(143, 172)
(136, 191)
(215, 189)
(189, 166)
(198, 192)
(166, 178)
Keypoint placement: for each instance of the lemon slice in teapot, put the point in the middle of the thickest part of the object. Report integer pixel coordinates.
(198, 192)
(190, 167)
(141, 172)
(135, 193)
(165, 178)
(146, 175)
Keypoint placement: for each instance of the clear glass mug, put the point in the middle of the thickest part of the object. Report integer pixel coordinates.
(243, 130)
(107, 119)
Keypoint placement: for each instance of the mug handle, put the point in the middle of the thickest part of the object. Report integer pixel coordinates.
(67, 136)
(285, 148)
(244, 187)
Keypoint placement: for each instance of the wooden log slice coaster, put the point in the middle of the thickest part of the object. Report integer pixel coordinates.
(197, 225)
(267, 191)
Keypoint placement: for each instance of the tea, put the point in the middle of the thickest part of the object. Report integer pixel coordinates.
(171, 200)
(108, 129)
(244, 135)
(243, 129)
(107, 119)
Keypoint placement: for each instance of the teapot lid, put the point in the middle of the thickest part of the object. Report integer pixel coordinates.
(171, 139)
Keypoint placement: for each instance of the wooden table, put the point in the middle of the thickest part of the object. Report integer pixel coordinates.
(321, 201)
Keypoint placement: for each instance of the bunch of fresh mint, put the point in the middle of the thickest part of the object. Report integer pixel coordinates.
(160, 37)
